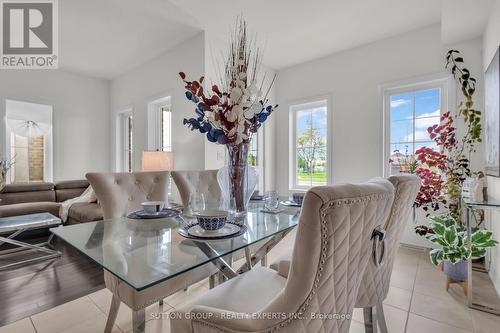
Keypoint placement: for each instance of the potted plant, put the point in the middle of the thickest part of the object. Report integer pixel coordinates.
(443, 172)
(453, 250)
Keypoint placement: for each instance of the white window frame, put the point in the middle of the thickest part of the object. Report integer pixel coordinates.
(260, 159)
(154, 119)
(293, 108)
(48, 159)
(443, 80)
(123, 139)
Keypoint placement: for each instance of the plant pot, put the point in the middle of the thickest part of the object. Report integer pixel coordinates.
(456, 272)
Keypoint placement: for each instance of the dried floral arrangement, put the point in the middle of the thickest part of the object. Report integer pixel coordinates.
(5, 166)
(235, 108)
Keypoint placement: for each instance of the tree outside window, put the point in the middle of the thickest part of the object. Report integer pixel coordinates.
(311, 167)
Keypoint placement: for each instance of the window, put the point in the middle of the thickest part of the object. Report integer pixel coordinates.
(28, 154)
(28, 141)
(255, 157)
(126, 144)
(165, 128)
(410, 110)
(160, 124)
(253, 151)
(309, 149)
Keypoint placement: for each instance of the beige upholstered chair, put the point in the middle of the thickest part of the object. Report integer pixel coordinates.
(375, 285)
(203, 181)
(119, 194)
(332, 249)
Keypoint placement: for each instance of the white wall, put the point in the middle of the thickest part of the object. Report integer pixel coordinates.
(151, 81)
(353, 80)
(80, 118)
(491, 42)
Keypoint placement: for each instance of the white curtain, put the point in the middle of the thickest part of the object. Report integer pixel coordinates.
(28, 128)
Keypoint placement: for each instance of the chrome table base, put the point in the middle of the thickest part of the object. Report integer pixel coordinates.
(44, 247)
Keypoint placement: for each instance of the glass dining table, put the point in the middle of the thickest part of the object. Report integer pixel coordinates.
(143, 253)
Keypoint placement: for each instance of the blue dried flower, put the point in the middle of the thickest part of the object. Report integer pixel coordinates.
(211, 138)
(222, 140)
(192, 123)
(207, 127)
(200, 113)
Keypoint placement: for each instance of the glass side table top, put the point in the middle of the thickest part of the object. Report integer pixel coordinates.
(485, 204)
(143, 253)
(30, 221)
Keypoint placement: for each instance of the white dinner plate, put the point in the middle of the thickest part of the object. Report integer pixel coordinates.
(226, 230)
(290, 203)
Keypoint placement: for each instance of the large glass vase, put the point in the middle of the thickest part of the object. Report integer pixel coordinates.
(237, 169)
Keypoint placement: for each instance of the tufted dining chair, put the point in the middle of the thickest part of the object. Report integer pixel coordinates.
(331, 252)
(202, 181)
(119, 194)
(206, 182)
(375, 285)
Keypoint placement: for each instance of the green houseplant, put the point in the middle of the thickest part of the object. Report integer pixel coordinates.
(443, 171)
(453, 250)
(452, 241)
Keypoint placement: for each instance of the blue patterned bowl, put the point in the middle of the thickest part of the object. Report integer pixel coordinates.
(298, 198)
(212, 219)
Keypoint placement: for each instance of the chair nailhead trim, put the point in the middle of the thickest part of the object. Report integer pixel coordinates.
(324, 235)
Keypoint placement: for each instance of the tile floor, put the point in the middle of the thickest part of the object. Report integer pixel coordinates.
(417, 302)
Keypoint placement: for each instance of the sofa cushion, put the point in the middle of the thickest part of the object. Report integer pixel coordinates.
(28, 187)
(9, 198)
(70, 189)
(30, 208)
(85, 212)
(70, 193)
(67, 184)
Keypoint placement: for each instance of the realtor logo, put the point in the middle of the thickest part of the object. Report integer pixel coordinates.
(29, 34)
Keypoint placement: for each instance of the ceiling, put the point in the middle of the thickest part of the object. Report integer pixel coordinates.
(297, 31)
(106, 38)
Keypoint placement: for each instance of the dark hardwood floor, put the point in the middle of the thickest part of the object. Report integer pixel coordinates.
(37, 287)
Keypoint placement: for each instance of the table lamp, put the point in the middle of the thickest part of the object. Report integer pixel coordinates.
(159, 161)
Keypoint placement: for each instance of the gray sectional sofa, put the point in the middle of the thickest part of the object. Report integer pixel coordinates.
(22, 199)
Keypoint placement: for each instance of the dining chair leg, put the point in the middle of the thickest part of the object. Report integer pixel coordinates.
(139, 321)
(113, 311)
(221, 278)
(211, 281)
(370, 322)
(263, 262)
(381, 318)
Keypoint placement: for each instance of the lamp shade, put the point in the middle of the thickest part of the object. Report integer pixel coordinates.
(157, 161)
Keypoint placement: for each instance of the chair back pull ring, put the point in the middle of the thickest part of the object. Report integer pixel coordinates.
(378, 236)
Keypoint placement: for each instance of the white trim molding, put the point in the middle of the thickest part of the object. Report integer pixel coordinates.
(154, 119)
(298, 105)
(442, 80)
